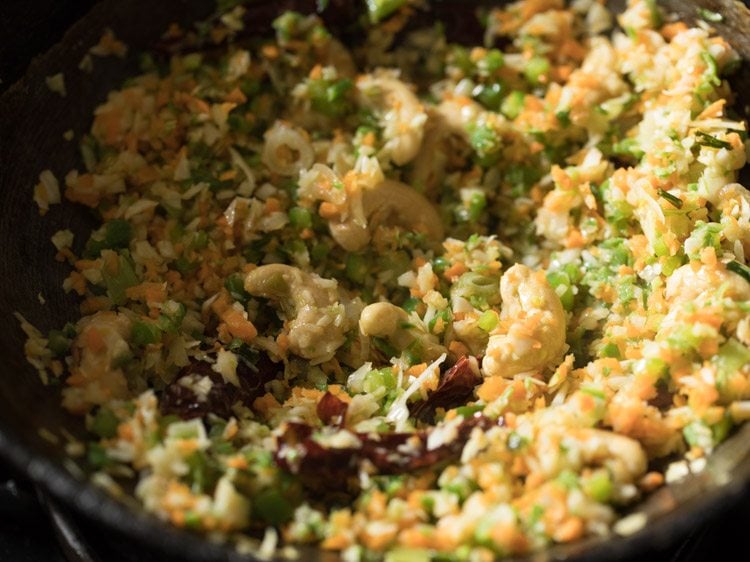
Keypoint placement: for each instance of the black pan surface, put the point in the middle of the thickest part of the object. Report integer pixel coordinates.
(32, 122)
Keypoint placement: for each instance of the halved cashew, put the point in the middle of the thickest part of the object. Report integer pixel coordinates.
(531, 332)
(389, 202)
(445, 129)
(386, 320)
(403, 116)
(558, 448)
(317, 321)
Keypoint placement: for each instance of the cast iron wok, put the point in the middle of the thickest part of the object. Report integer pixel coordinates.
(32, 122)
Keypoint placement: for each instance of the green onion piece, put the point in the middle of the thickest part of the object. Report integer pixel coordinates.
(740, 269)
(610, 350)
(656, 17)
(379, 378)
(440, 264)
(319, 252)
(97, 456)
(300, 218)
(192, 61)
(477, 205)
(484, 140)
(599, 486)
(57, 343)
(673, 199)
(490, 95)
(356, 268)
(561, 279)
(490, 63)
(729, 361)
(488, 321)
(272, 507)
(402, 554)
(145, 333)
(469, 411)
(711, 141)
(709, 15)
(200, 240)
(117, 234)
(105, 423)
(411, 304)
(329, 97)
(698, 434)
(536, 69)
(513, 104)
(203, 472)
(472, 284)
(593, 391)
(721, 429)
(118, 282)
(563, 117)
(445, 315)
(184, 265)
(172, 315)
(381, 9)
(192, 520)
(235, 284)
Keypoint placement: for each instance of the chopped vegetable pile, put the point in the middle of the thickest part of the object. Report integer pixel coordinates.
(442, 301)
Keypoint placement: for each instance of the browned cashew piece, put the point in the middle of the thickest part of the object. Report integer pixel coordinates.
(393, 203)
(317, 320)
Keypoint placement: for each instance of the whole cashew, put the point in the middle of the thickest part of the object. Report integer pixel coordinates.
(317, 320)
(623, 456)
(403, 114)
(386, 320)
(531, 333)
(389, 202)
(446, 121)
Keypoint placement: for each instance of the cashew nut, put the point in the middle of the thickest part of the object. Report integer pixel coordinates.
(531, 332)
(386, 320)
(445, 129)
(389, 202)
(558, 448)
(317, 319)
(403, 115)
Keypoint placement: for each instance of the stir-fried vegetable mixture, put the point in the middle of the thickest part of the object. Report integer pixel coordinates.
(440, 300)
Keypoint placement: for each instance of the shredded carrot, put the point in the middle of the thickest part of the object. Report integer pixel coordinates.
(239, 326)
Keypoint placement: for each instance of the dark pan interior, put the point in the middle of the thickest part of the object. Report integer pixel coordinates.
(32, 122)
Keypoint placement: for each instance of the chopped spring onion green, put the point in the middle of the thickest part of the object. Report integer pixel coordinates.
(711, 141)
(488, 321)
(739, 269)
(673, 199)
(145, 333)
(513, 104)
(381, 9)
(709, 15)
(105, 423)
(119, 279)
